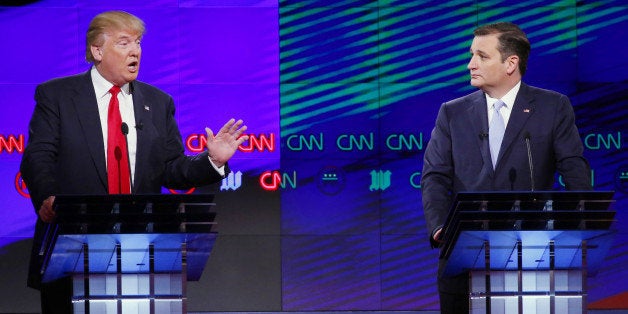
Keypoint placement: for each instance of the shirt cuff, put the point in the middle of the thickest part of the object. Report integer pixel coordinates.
(220, 170)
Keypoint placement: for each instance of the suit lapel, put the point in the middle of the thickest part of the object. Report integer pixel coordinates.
(86, 107)
(523, 108)
(479, 124)
(142, 120)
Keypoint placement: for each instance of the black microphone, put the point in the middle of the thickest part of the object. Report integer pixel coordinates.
(125, 131)
(526, 136)
(139, 126)
(483, 135)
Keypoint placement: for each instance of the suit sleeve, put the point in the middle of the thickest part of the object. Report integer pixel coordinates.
(182, 171)
(40, 156)
(437, 177)
(568, 149)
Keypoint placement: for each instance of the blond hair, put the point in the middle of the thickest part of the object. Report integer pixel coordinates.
(110, 21)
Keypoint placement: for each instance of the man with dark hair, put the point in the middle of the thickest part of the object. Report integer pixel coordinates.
(478, 142)
(76, 145)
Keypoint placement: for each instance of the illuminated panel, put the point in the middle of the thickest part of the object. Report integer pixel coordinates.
(343, 275)
(405, 270)
(347, 68)
(322, 47)
(217, 61)
(601, 108)
(60, 57)
(16, 210)
(419, 62)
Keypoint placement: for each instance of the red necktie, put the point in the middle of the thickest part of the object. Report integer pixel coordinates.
(118, 175)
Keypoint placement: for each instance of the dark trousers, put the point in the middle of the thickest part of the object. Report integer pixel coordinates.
(56, 296)
(453, 292)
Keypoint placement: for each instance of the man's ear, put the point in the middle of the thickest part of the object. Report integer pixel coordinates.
(96, 52)
(512, 64)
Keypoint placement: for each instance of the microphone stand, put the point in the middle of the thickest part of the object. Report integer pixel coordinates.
(527, 138)
(125, 131)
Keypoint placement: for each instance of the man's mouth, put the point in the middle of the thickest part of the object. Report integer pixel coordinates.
(133, 66)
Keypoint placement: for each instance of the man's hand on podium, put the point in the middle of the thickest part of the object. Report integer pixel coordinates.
(437, 235)
(46, 213)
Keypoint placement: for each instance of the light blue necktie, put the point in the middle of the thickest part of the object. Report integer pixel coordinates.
(496, 130)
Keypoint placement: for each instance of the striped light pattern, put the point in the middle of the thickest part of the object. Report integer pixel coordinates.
(384, 67)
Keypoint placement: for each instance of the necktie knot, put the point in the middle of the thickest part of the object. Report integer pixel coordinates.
(114, 90)
(498, 105)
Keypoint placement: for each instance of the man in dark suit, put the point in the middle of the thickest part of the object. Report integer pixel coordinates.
(459, 156)
(69, 148)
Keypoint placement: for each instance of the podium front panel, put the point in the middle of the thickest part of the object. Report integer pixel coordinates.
(469, 252)
(67, 255)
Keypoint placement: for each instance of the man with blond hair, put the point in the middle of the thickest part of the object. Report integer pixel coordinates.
(76, 145)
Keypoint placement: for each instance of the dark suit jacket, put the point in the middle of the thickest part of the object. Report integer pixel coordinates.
(65, 152)
(457, 157)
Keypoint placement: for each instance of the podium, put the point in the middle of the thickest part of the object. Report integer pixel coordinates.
(528, 252)
(129, 253)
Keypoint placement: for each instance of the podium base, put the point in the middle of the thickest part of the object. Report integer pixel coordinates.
(527, 292)
(128, 293)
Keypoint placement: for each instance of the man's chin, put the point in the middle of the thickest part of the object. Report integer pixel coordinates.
(130, 77)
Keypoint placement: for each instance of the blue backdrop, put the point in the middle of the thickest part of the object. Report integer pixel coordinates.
(340, 98)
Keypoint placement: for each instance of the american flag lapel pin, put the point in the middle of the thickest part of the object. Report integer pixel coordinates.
(147, 108)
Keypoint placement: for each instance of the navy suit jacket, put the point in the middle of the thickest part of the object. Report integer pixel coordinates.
(65, 152)
(457, 157)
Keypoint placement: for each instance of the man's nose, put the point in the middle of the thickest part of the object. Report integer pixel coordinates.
(472, 64)
(135, 49)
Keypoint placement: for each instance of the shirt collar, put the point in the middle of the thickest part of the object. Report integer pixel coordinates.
(102, 86)
(508, 99)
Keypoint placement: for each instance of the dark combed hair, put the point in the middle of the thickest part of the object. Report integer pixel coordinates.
(512, 41)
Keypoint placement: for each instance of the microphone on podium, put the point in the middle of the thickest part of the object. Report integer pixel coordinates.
(125, 131)
(526, 136)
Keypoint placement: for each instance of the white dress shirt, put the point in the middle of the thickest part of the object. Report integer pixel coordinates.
(125, 99)
(509, 101)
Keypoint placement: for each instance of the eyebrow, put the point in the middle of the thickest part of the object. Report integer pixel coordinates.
(480, 52)
(129, 37)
